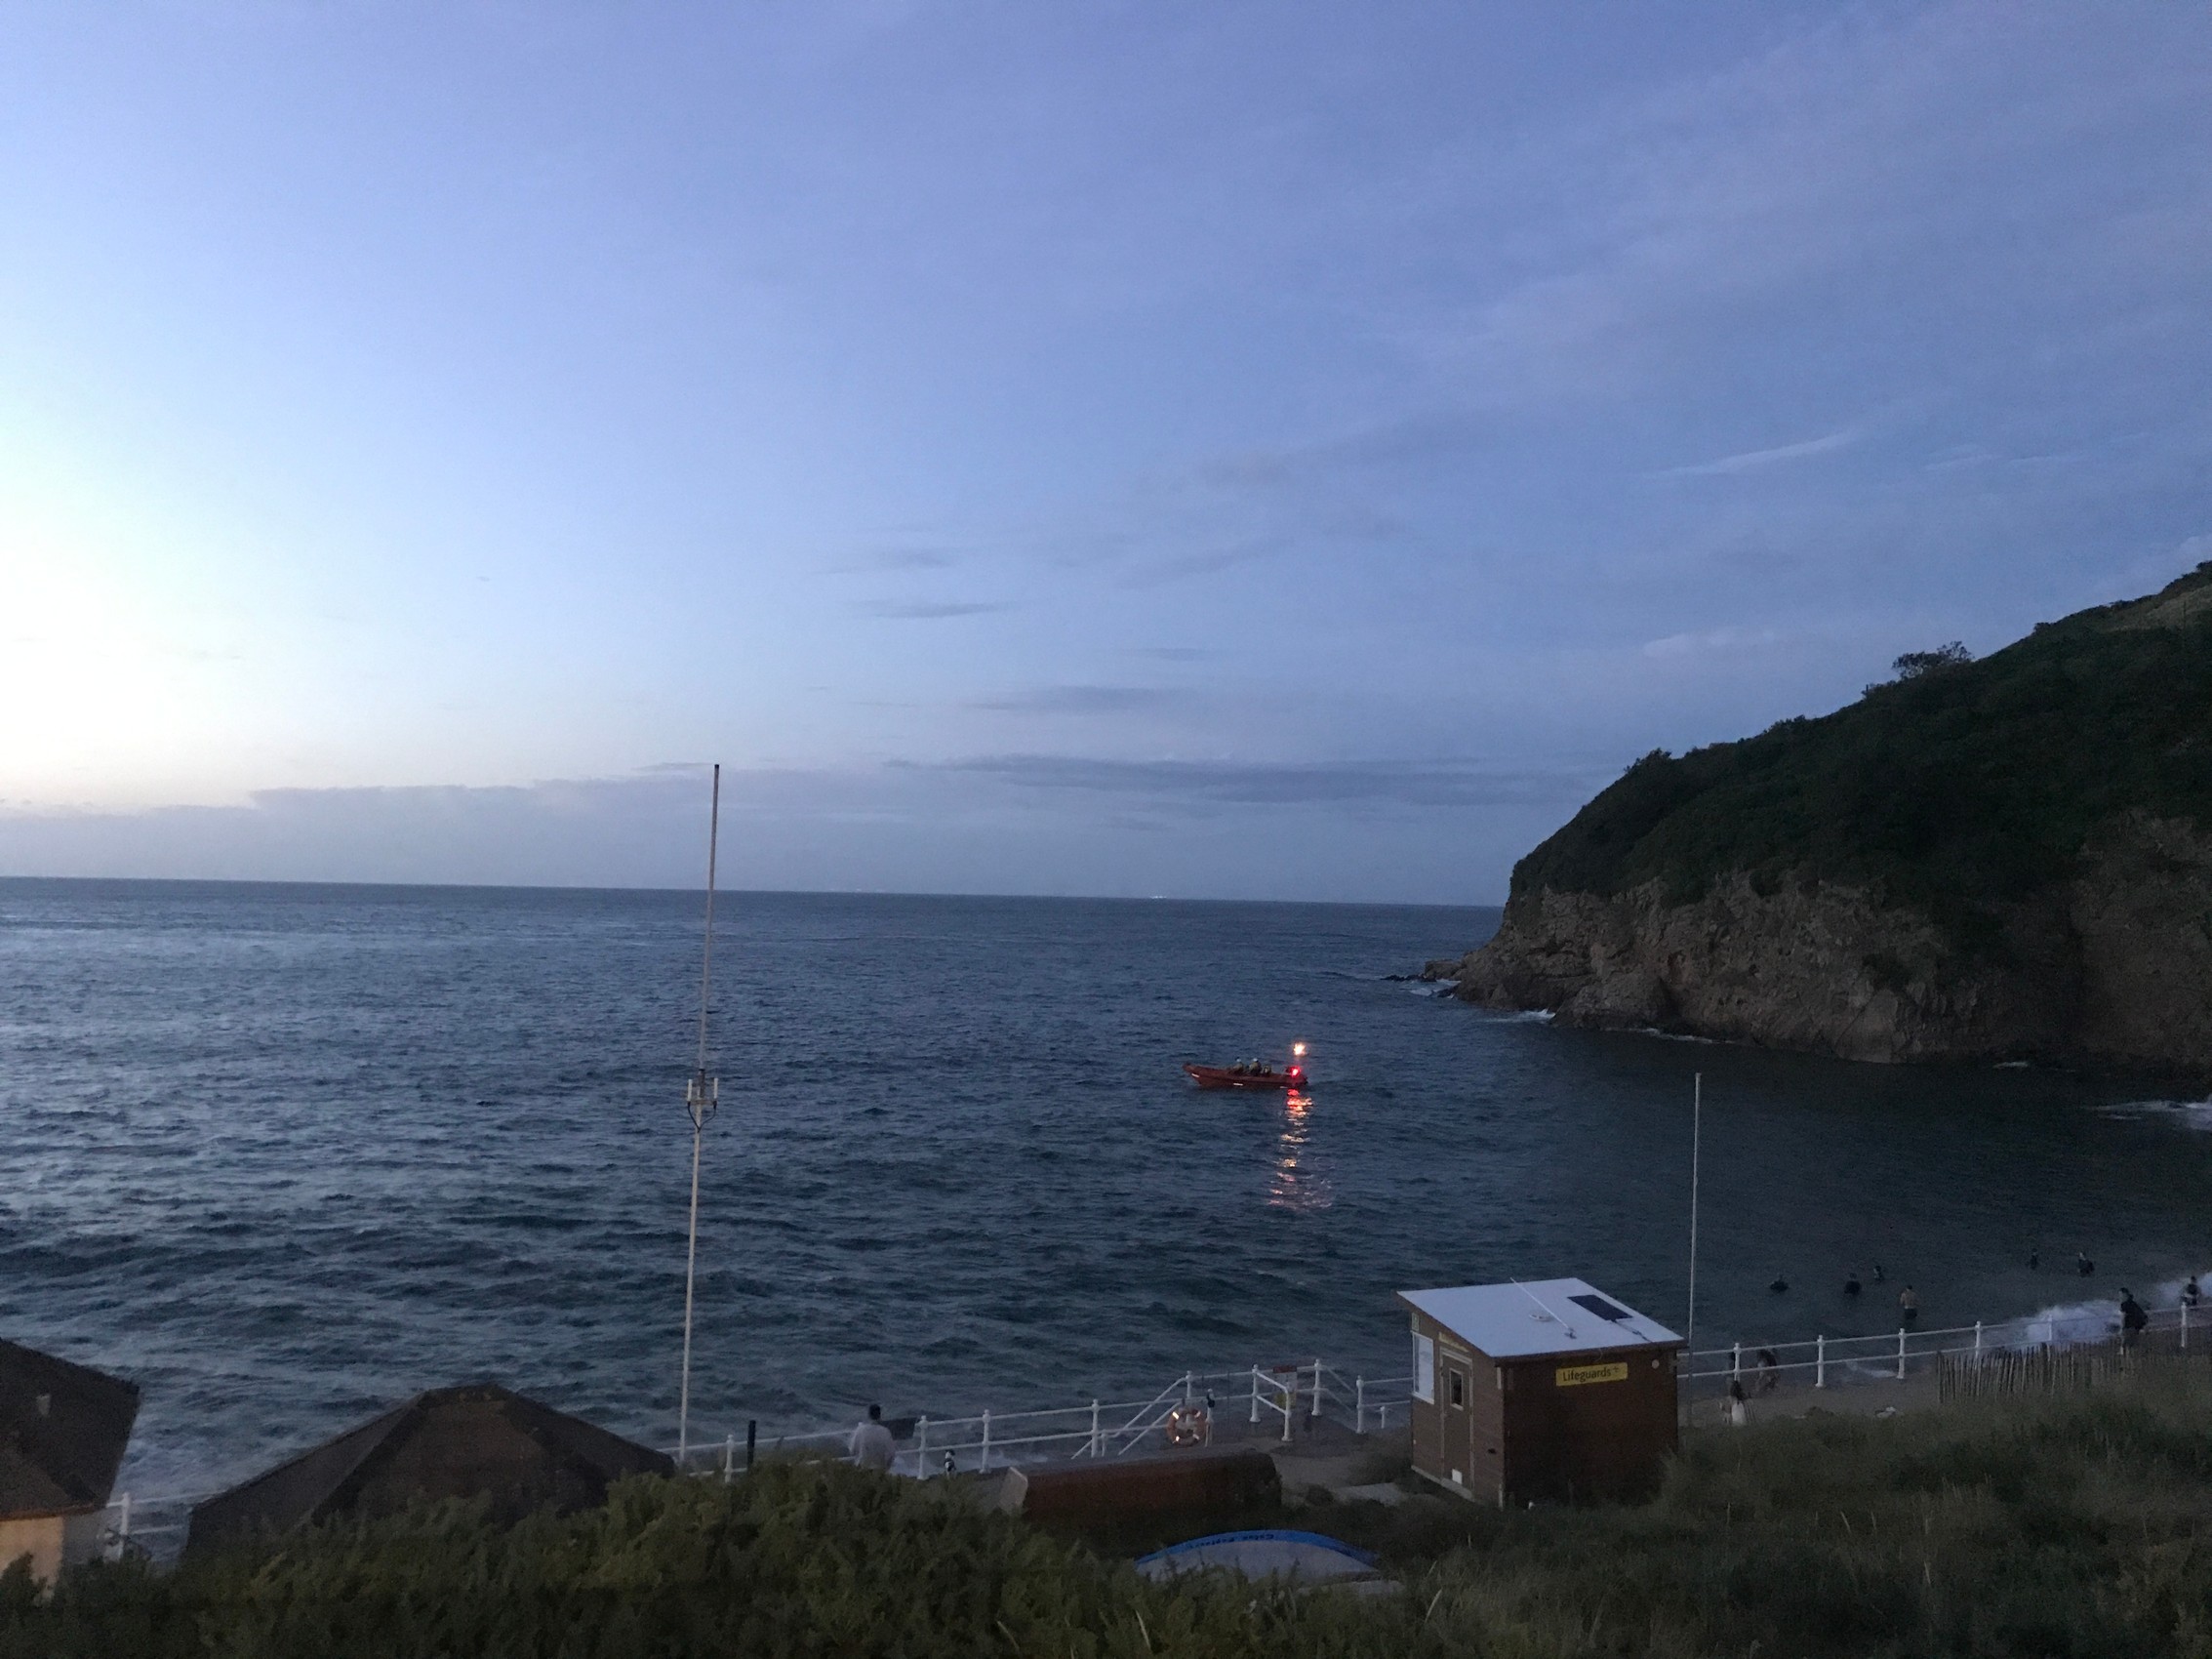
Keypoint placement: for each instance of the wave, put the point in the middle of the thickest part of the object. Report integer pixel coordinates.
(2185, 1114)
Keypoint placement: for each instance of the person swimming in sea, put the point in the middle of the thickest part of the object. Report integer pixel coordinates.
(1780, 1286)
(1851, 1284)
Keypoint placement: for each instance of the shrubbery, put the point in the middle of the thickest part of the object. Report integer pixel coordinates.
(1957, 788)
(2078, 1527)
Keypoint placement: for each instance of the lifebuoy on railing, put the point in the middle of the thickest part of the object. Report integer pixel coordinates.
(1188, 1425)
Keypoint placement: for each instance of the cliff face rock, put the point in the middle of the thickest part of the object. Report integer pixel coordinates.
(2118, 966)
(2009, 859)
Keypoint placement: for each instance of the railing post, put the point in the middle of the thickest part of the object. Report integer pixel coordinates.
(1314, 1416)
(922, 1445)
(1977, 1342)
(1735, 1360)
(1096, 1450)
(1255, 1393)
(123, 1528)
(1290, 1403)
(983, 1455)
(1901, 1354)
(1820, 1363)
(1187, 1388)
(728, 1456)
(1359, 1398)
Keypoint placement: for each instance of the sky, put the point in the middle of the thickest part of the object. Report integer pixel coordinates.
(1285, 450)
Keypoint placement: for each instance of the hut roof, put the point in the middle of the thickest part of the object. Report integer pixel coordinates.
(1551, 1315)
(63, 1431)
(476, 1440)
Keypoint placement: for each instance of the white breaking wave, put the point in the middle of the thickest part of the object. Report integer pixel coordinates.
(2186, 1113)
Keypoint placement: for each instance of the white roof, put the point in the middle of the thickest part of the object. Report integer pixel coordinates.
(1536, 1317)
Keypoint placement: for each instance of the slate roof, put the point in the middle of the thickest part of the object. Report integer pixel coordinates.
(63, 1429)
(1512, 1322)
(476, 1440)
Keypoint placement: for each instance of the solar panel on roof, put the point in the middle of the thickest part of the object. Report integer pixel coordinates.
(1603, 1308)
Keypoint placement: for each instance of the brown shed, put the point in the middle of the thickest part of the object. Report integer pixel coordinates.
(63, 1431)
(1547, 1389)
(478, 1440)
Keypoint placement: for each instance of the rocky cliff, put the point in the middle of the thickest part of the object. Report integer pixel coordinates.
(2000, 860)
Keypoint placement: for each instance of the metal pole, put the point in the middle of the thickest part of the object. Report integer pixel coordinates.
(1359, 1398)
(699, 1101)
(728, 1458)
(1255, 1393)
(1901, 1354)
(1314, 1416)
(1977, 1342)
(1096, 1449)
(1820, 1363)
(1690, 1327)
(124, 1530)
(1735, 1360)
(921, 1446)
(982, 1460)
(752, 1435)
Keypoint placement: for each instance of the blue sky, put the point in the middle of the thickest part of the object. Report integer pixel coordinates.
(1269, 450)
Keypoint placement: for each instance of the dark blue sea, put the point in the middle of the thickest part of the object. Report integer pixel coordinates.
(285, 1154)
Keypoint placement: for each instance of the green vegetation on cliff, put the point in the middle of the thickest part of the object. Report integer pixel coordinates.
(1958, 788)
(2077, 1526)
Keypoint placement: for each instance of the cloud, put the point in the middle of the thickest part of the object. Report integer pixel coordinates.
(1751, 459)
(1343, 782)
(928, 609)
(1083, 700)
(1713, 639)
(897, 558)
(1016, 823)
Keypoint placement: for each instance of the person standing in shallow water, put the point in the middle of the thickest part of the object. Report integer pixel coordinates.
(872, 1444)
(1908, 1304)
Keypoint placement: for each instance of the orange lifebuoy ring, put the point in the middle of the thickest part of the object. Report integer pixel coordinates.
(1188, 1425)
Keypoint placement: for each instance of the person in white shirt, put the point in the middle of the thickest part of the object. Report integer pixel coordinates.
(872, 1444)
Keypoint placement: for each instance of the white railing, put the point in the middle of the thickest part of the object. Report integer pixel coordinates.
(1307, 1392)
(1826, 1361)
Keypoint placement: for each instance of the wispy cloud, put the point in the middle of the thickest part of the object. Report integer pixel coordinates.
(928, 609)
(897, 558)
(1415, 783)
(1751, 459)
(1083, 700)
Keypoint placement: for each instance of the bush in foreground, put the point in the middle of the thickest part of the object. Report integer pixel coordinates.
(2070, 1528)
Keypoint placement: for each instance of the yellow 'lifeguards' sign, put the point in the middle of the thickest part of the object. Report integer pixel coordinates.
(1575, 1376)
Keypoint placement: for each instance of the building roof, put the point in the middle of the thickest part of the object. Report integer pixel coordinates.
(1512, 1320)
(63, 1431)
(478, 1441)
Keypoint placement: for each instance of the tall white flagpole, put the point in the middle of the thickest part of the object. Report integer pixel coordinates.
(1697, 1125)
(700, 1097)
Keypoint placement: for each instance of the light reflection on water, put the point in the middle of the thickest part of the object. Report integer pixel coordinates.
(1295, 1185)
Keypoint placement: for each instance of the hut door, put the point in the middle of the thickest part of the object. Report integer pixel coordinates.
(1459, 1432)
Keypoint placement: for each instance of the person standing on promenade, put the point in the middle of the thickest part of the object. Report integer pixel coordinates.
(2134, 1321)
(1908, 1306)
(2192, 1296)
(872, 1444)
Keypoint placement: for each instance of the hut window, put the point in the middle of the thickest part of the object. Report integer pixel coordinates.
(1459, 1386)
(1423, 1368)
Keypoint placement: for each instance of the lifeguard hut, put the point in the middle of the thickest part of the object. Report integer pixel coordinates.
(1544, 1389)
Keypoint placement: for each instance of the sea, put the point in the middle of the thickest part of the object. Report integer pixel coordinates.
(285, 1154)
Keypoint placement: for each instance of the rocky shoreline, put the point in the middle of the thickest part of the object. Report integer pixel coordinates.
(2113, 966)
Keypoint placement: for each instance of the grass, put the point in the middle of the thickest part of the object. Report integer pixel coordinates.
(2080, 1526)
